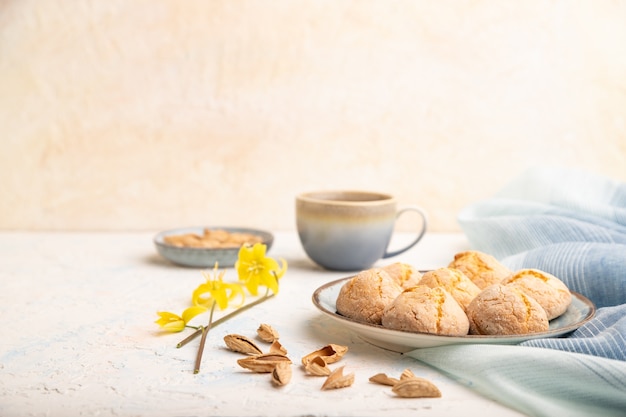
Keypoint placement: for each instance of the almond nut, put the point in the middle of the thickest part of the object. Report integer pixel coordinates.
(383, 379)
(267, 333)
(281, 375)
(264, 362)
(337, 379)
(241, 344)
(330, 353)
(416, 388)
(317, 366)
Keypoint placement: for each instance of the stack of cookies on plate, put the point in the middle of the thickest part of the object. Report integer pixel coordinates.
(475, 294)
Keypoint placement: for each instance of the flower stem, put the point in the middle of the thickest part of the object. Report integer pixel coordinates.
(223, 319)
(190, 337)
(205, 332)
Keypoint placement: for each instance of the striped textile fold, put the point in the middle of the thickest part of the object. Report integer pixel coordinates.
(571, 224)
(534, 381)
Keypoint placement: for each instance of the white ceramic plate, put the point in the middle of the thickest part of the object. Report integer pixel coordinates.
(205, 257)
(579, 312)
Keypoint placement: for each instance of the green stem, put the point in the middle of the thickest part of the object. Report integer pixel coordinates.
(205, 332)
(223, 319)
(190, 337)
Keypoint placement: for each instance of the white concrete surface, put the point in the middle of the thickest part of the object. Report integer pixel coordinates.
(78, 338)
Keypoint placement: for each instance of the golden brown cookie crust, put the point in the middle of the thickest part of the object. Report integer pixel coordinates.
(483, 269)
(455, 282)
(549, 291)
(426, 310)
(404, 274)
(365, 296)
(505, 310)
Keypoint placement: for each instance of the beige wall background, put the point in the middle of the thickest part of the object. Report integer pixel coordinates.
(149, 115)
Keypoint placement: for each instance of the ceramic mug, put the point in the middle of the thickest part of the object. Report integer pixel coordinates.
(350, 230)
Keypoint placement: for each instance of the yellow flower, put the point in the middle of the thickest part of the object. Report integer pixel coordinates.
(216, 291)
(175, 323)
(254, 268)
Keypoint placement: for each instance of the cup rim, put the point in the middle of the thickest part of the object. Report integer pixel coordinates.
(316, 197)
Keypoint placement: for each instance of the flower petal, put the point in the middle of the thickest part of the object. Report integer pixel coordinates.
(259, 250)
(202, 296)
(270, 281)
(170, 321)
(192, 312)
(166, 316)
(255, 268)
(235, 290)
(176, 326)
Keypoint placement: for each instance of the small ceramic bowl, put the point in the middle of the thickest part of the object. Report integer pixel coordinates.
(205, 257)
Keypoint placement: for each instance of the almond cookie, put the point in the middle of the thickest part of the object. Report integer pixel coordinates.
(403, 274)
(365, 296)
(549, 291)
(483, 269)
(426, 310)
(455, 282)
(505, 310)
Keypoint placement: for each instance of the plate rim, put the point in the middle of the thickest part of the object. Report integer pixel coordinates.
(449, 339)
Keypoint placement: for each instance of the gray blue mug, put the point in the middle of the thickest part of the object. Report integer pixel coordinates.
(350, 230)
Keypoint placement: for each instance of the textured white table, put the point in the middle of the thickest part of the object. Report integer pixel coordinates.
(77, 337)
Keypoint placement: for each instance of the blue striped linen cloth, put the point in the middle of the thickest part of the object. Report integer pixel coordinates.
(571, 224)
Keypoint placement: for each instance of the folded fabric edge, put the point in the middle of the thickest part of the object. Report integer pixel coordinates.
(535, 381)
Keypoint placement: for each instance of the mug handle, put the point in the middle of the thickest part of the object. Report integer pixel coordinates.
(420, 235)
